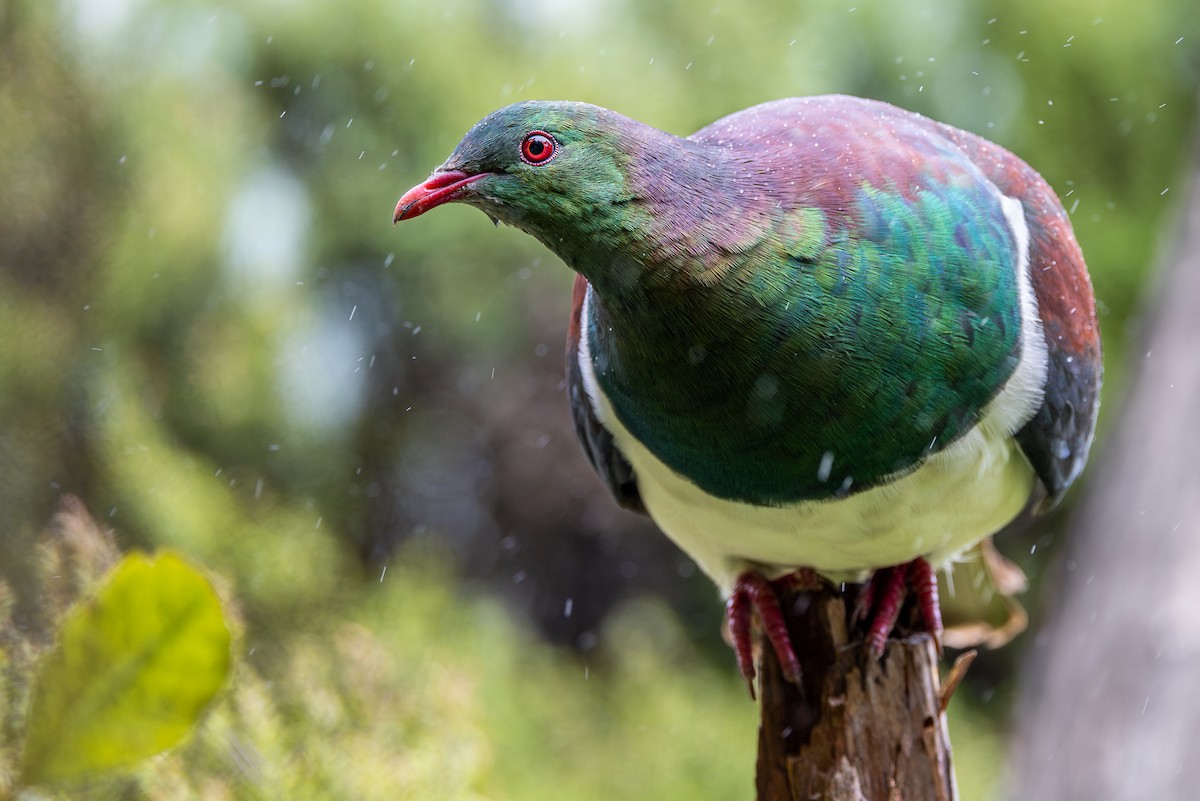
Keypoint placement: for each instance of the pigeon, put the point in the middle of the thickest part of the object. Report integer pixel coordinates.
(820, 338)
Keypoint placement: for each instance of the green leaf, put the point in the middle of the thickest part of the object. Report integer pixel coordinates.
(131, 674)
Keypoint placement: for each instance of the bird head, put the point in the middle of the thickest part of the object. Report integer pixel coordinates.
(544, 167)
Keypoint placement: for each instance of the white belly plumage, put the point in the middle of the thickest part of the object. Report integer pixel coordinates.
(956, 497)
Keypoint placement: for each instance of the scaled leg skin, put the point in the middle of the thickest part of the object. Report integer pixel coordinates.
(880, 602)
(922, 578)
(884, 595)
(753, 592)
(888, 586)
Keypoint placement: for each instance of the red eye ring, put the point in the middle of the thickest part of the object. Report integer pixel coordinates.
(538, 147)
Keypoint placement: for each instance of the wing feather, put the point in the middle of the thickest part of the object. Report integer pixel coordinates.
(609, 463)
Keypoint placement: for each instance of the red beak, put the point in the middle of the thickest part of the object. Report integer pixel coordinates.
(442, 187)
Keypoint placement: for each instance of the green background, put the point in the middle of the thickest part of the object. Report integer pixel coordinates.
(214, 336)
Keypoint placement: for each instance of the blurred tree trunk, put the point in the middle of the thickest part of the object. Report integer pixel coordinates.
(1111, 694)
(857, 729)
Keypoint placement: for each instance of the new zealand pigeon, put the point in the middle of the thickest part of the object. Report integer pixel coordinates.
(821, 335)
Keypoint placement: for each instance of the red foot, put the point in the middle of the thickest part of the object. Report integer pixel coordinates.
(752, 591)
(922, 578)
(883, 597)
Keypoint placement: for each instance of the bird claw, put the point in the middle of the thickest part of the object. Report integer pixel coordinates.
(922, 579)
(738, 616)
(879, 603)
(753, 592)
(883, 597)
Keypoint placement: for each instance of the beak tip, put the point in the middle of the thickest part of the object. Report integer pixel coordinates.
(441, 187)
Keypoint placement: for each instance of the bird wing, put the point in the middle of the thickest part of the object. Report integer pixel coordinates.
(1057, 439)
(609, 463)
(858, 310)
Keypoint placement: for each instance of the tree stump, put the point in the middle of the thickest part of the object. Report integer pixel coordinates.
(856, 729)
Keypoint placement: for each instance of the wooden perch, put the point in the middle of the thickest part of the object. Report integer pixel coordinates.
(856, 729)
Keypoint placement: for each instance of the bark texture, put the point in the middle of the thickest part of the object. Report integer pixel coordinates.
(856, 729)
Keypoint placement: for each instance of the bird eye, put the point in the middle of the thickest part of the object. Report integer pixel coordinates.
(538, 147)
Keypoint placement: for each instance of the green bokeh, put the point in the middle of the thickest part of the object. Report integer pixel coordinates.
(213, 335)
(130, 674)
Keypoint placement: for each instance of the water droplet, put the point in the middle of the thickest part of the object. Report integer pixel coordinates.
(825, 467)
(766, 386)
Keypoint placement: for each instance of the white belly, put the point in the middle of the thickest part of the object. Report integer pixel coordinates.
(957, 497)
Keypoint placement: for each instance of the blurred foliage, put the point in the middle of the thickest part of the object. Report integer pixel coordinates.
(130, 674)
(214, 336)
(416, 693)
